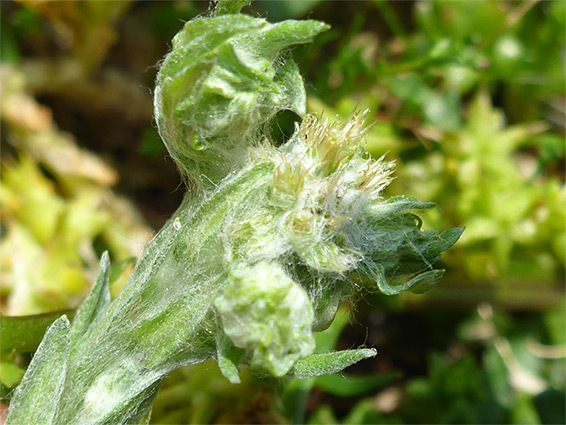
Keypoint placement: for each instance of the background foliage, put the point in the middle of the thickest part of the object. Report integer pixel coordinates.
(467, 97)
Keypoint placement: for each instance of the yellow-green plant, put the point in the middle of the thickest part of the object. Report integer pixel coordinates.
(261, 251)
(56, 202)
(514, 219)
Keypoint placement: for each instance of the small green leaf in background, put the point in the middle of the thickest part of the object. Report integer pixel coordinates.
(228, 357)
(365, 412)
(287, 9)
(323, 415)
(10, 374)
(439, 109)
(151, 144)
(296, 392)
(119, 274)
(23, 334)
(555, 325)
(524, 411)
(346, 385)
(551, 406)
(9, 52)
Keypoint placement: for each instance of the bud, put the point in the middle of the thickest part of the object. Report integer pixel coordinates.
(265, 312)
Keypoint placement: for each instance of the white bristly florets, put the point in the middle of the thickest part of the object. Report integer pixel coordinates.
(323, 183)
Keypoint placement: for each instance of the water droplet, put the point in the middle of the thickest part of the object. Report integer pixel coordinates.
(199, 143)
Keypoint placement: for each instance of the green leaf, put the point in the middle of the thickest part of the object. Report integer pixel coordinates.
(344, 385)
(442, 110)
(424, 281)
(37, 397)
(326, 341)
(228, 358)
(322, 415)
(23, 334)
(524, 411)
(555, 326)
(95, 305)
(9, 51)
(294, 399)
(295, 394)
(419, 284)
(323, 364)
(365, 412)
(151, 144)
(10, 374)
(400, 250)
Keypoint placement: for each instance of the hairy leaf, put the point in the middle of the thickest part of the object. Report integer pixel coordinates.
(37, 397)
(224, 80)
(324, 364)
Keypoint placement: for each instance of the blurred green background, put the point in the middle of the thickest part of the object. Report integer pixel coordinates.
(468, 98)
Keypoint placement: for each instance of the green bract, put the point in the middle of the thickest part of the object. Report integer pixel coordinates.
(249, 267)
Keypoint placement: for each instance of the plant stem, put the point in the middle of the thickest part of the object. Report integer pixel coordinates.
(160, 320)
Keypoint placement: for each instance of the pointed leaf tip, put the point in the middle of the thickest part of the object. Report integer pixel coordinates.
(36, 399)
(325, 364)
(96, 303)
(228, 358)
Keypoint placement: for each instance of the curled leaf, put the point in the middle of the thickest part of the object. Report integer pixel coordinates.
(224, 80)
